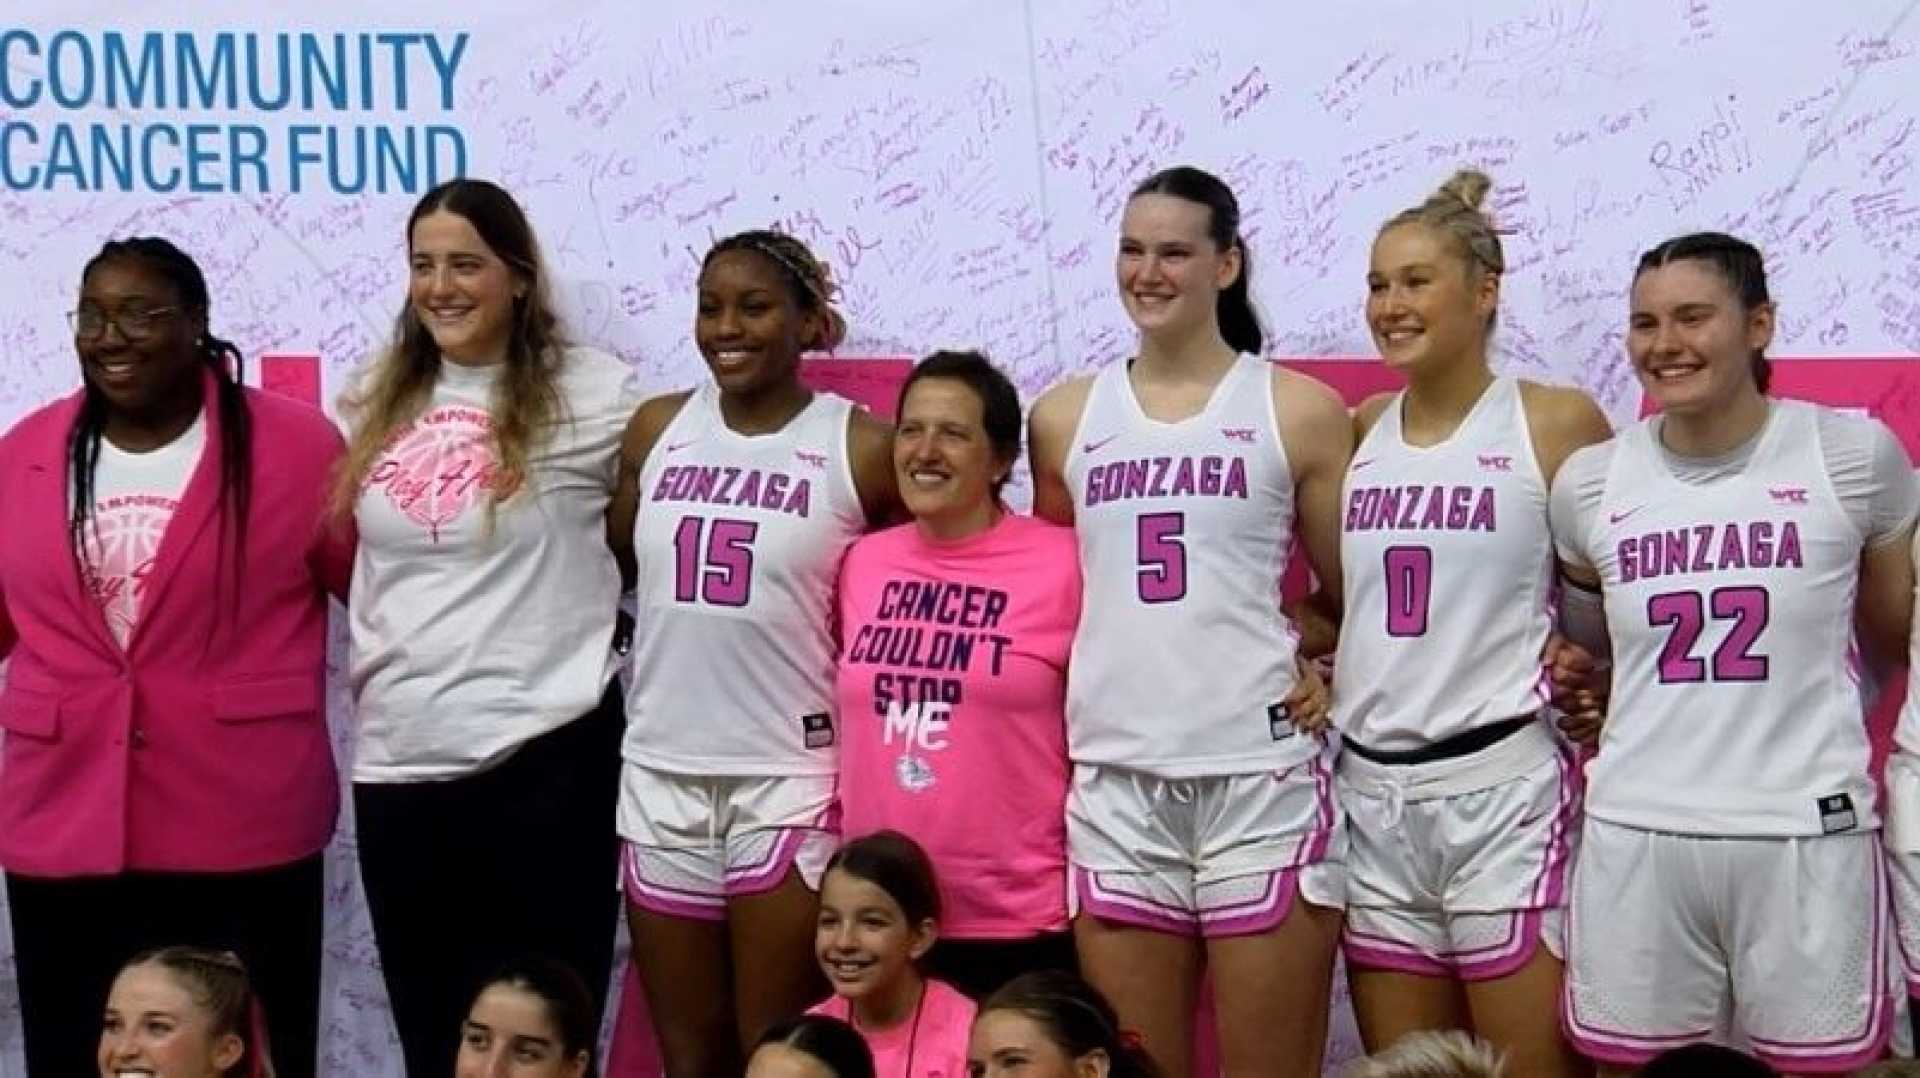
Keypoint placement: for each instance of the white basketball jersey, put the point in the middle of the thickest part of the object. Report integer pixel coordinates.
(1447, 560)
(1736, 707)
(1906, 733)
(739, 541)
(1182, 655)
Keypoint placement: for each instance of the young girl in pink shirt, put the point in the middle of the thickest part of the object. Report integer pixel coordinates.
(879, 916)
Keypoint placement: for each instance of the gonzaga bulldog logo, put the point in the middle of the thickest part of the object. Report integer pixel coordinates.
(437, 468)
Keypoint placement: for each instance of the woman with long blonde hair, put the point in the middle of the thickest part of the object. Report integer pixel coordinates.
(480, 468)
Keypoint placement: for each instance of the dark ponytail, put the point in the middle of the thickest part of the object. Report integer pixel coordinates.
(1076, 1018)
(836, 1045)
(1239, 323)
(236, 419)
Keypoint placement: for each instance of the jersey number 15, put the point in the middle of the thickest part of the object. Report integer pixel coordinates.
(718, 571)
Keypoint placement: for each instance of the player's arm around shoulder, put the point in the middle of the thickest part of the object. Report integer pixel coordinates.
(1050, 427)
(870, 441)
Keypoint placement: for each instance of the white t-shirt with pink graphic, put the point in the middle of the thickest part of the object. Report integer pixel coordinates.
(475, 631)
(134, 499)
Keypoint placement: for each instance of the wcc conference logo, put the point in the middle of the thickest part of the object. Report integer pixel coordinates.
(238, 112)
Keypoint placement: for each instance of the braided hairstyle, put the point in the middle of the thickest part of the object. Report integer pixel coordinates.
(807, 278)
(217, 982)
(220, 356)
(1454, 211)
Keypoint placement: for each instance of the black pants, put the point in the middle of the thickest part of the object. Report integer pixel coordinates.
(978, 967)
(464, 875)
(71, 936)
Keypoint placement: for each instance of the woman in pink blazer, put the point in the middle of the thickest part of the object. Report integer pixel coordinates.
(165, 561)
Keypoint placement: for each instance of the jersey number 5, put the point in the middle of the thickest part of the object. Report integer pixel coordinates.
(720, 571)
(1163, 557)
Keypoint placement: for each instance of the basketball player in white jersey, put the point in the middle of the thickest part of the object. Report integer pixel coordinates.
(735, 503)
(1462, 805)
(1202, 804)
(1903, 818)
(1730, 866)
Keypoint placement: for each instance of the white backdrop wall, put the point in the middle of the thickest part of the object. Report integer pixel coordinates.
(961, 166)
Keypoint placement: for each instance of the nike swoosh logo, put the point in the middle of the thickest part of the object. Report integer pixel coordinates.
(678, 446)
(1359, 464)
(1089, 447)
(1615, 518)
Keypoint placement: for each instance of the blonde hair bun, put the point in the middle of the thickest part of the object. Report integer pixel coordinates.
(1469, 186)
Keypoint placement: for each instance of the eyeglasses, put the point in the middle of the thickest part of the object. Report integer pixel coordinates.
(136, 323)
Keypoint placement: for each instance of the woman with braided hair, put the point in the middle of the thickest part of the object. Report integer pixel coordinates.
(1462, 804)
(166, 774)
(184, 1012)
(735, 503)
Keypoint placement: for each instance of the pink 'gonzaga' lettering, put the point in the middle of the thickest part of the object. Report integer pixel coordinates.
(1167, 477)
(749, 487)
(1710, 548)
(1417, 507)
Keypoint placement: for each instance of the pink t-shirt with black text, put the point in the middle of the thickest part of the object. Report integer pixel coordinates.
(951, 699)
(931, 1044)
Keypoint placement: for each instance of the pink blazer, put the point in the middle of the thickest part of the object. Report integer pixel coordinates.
(203, 745)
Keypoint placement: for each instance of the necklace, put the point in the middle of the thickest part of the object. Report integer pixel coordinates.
(913, 1031)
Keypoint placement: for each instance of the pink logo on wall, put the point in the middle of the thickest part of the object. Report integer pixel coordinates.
(440, 466)
(871, 381)
(296, 376)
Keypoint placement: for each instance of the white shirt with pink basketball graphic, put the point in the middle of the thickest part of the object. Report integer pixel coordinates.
(134, 498)
(475, 629)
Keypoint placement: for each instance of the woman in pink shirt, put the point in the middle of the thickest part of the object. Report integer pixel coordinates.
(165, 772)
(952, 681)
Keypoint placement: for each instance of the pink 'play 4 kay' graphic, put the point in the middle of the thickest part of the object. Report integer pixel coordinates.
(440, 466)
(122, 542)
